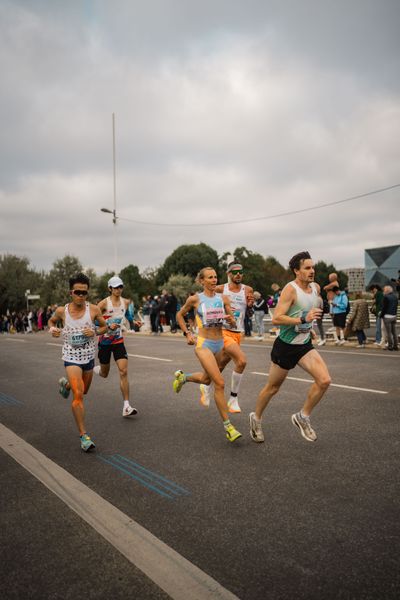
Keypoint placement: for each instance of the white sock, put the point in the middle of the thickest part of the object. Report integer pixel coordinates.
(96, 369)
(126, 404)
(235, 382)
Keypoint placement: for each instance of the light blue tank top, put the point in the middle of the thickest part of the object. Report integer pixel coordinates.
(210, 312)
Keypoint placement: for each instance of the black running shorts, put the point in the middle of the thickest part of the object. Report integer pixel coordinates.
(117, 350)
(339, 320)
(286, 356)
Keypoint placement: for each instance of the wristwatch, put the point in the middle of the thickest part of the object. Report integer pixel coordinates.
(303, 320)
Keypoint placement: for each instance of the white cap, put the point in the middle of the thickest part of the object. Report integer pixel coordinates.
(115, 282)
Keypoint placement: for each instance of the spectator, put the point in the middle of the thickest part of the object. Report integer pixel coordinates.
(376, 308)
(260, 308)
(171, 310)
(389, 316)
(340, 304)
(146, 311)
(358, 319)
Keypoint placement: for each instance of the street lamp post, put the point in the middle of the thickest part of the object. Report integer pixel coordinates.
(114, 211)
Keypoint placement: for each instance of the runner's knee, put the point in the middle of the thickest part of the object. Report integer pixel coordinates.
(77, 402)
(324, 381)
(219, 383)
(123, 371)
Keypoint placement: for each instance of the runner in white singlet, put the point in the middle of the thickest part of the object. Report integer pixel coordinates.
(78, 318)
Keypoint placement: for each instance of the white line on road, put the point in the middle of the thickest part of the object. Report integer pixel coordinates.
(15, 340)
(347, 387)
(53, 344)
(150, 357)
(169, 570)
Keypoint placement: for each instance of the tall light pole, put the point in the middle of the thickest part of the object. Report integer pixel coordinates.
(114, 212)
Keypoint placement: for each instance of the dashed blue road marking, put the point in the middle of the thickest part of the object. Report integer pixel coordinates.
(151, 480)
(9, 400)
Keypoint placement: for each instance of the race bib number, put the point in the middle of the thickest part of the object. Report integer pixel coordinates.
(213, 316)
(77, 339)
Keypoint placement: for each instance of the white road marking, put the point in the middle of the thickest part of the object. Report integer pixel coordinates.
(173, 573)
(53, 344)
(15, 340)
(379, 353)
(150, 357)
(347, 387)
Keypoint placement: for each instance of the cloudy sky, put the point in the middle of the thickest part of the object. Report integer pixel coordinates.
(225, 111)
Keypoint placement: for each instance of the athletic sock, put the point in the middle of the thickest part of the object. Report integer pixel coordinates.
(96, 369)
(303, 416)
(235, 383)
(227, 423)
(126, 404)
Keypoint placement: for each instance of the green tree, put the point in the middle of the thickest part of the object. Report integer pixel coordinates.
(56, 286)
(322, 271)
(188, 260)
(134, 286)
(181, 285)
(16, 276)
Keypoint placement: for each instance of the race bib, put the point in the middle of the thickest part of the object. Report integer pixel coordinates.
(213, 316)
(77, 339)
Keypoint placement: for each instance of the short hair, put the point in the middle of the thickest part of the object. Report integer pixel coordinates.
(294, 262)
(200, 275)
(79, 278)
(336, 288)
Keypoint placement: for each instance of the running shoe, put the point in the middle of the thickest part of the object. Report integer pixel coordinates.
(233, 405)
(321, 342)
(205, 395)
(303, 423)
(256, 431)
(128, 411)
(179, 381)
(64, 391)
(232, 434)
(86, 443)
(96, 370)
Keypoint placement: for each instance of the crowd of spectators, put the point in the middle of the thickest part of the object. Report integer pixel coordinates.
(26, 321)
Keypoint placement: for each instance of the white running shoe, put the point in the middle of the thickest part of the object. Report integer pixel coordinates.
(341, 342)
(128, 411)
(321, 343)
(205, 395)
(256, 431)
(233, 405)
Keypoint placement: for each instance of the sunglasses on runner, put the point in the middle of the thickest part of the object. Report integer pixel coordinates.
(237, 272)
(80, 292)
(118, 287)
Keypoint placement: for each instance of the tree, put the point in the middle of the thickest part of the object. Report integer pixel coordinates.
(16, 277)
(133, 283)
(188, 260)
(322, 271)
(56, 286)
(181, 285)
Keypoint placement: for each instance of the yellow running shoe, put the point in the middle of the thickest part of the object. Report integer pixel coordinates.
(232, 434)
(180, 379)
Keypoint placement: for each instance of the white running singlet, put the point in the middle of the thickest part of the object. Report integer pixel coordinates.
(77, 347)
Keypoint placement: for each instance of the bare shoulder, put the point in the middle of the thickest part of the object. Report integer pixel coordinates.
(102, 304)
(220, 288)
(248, 289)
(317, 287)
(126, 301)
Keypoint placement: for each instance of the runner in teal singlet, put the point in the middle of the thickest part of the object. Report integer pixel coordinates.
(298, 306)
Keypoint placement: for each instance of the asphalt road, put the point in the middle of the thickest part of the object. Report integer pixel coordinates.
(284, 519)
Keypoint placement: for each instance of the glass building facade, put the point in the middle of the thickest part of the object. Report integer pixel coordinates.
(382, 265)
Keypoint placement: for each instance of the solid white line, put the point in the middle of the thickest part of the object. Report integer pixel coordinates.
(347, 387)
(53, 344)
(169, 570)
(15, 340)
(150, 357)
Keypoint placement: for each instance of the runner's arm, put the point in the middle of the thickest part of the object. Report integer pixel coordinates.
(190, 303)
(54, 319)
(228, 310)
(286, 299)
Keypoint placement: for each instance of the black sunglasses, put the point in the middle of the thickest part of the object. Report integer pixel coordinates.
(118, 287)
(80, 292)
(237, 272)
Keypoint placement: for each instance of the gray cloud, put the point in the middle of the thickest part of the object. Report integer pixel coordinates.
(224, 111)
